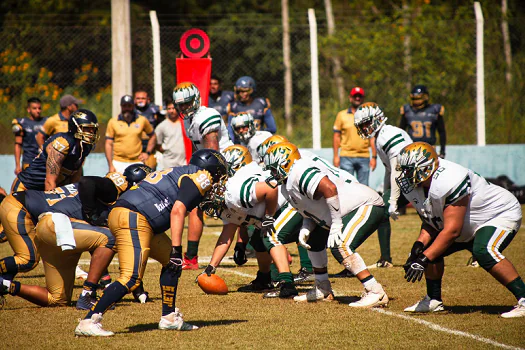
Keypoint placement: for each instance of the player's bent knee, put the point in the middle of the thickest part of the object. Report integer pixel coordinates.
(485, 259)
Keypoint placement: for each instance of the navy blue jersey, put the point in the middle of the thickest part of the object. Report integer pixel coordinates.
(421, 124)
(151, 111)
(38, 202)
(34, 176)
(28, 129)
(155, 195)
(259, 109)
(220, 101)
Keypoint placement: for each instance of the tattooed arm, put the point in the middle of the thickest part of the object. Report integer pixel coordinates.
(53, 165)
(211, 140)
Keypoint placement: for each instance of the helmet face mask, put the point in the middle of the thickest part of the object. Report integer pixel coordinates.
(84, 126)
(241, 121)
(244, 84)
(368, 119)
(419, 96)
(236, 156)
(417, 163)
(187, 99)
(269, 142)
(279, 160)
(213, 203)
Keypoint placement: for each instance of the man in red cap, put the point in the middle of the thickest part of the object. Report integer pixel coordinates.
(351, 152)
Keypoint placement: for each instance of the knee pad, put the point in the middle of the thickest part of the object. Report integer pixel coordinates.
(354, 263)
(484, 258)
(319, 259)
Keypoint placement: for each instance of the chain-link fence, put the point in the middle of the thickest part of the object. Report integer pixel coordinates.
(384, 57)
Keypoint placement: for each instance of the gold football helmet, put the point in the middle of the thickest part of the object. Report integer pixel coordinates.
(269, 142)
(368, 119)
(279, 159)
(236, 156)
(187, 99)
(417, 163)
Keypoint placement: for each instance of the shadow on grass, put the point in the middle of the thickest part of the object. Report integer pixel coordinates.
(24, 276)
(484, 309)
(347, 299)
(146, 327)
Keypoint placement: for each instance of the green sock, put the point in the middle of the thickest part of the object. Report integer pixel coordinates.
(517, 287)
(304, 259)
(434, 289)
(193, 249)
(274, 273)
(285, 277)
(383, 233)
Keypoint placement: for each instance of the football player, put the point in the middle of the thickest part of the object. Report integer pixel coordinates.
(314, 191)
(422, 119)
(138, 221)
(459, 210)
(370, 120)
(206, 129)
(219, 99)
(60, 160)
(247, 135)
(258, 107)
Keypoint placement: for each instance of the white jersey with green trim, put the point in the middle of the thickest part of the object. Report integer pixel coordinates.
(241, 201)
(204, 121)
(254, 142)
(303, 180)
(452, 182)
(390, 140)
(322, 163)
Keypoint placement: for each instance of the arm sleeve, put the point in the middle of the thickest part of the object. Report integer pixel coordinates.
(442, 133)
(269, 120)
(110, 132)
(403, 122)
(160, 134)
(148, 128)
(337, 123)
(189, 194)
(94, 188)
(230, 129)
(395, 192)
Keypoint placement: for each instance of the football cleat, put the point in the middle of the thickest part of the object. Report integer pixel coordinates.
(303, 276)
(376, 297)
(287, 290)
(174, 321)
(381, 263)
(92, 327)
(518, 311)
(426, 305)
(80, 274)
(322, 291)
(86, 301)
(472, 262)
(261, 283)
(343, 274)
(190, 264)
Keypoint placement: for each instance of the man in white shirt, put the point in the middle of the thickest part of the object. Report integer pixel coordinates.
(170, 138)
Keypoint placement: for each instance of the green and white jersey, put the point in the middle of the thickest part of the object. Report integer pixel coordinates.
(389, 142)
(241, 201)
(322, 163)
(303, 180)
(204, 121)
(452, 182)
(254, 142)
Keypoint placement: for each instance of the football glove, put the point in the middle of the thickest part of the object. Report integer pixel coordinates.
(209, 270)
(392, 211)
(416, 269)
(304, 234)
(334, 239)
(239, 255)
(417, 249)
(267, 227)
(175, 263)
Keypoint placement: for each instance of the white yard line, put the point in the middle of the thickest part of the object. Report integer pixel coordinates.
(439, 328)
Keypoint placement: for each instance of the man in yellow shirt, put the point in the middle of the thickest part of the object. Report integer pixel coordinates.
(354, 156)
(124, 137)
(58, 122)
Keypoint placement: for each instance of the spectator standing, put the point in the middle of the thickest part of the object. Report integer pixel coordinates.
(421, 119)
(172, 141)
(151, 112)
(123, 137)
(351, 152)
(25, 130)
(59, 122)
(258, 107)
(219, 99)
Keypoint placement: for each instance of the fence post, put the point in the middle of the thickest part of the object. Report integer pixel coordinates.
(120, 53)
(316, 109)
(480, 76)
(157, 73)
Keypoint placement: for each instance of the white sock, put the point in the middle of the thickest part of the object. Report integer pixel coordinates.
(84, 292)
(370, 283)
(7, 283)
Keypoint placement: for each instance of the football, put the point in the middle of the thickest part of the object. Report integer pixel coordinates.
(212, 284)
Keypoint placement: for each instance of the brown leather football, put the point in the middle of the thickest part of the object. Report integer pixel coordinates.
(212, 284)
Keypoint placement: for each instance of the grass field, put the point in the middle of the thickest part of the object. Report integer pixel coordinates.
(472, 297)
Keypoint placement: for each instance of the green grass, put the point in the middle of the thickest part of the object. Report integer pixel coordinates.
(473, 298)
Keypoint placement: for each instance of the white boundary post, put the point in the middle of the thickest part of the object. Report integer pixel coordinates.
(316, 109)
(480, 76)
(157, 72)
(120, 53)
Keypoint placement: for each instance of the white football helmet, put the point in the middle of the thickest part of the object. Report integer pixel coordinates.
(368, 119)
(417, 163)
(279, 160)
(236, 156)
(242, 120)
(187, 99)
